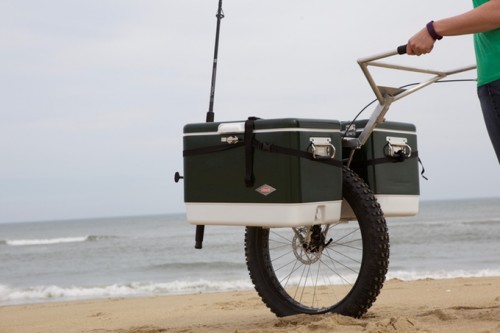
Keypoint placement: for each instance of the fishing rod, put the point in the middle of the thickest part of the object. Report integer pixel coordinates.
(220, 16)
(200, 229)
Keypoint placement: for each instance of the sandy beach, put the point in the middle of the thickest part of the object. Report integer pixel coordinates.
(453, 305)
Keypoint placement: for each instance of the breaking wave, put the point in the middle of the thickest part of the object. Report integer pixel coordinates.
(53, 241)
(37, 294)
(12, 295)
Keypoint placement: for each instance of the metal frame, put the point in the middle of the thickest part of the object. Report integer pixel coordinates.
(387, 95)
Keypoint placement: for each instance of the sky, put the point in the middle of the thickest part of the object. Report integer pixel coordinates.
(94, 94)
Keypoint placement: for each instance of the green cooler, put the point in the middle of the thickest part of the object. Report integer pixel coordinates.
(270, 172)
(388, 163)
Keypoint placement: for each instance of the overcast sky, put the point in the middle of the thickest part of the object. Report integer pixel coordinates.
(94, 94)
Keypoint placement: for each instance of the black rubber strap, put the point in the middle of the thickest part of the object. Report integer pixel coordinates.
(211, 149)
(383, 160)
(423, 169)
(249, 151)
(269, 147)
(264, 146)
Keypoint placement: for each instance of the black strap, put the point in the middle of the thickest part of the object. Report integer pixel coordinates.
(423, 169)
(263, 146)
(249, 151)
(269, 147)
(385, 159)
(397, 159)
(211, 149)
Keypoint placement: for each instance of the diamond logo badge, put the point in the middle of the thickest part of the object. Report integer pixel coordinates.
(265, 189)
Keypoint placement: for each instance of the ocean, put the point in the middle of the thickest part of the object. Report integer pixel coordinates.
(155, 255)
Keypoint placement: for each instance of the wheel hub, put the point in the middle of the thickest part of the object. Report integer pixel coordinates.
(308, 244)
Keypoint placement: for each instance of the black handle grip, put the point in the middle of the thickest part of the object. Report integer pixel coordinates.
(402, 49)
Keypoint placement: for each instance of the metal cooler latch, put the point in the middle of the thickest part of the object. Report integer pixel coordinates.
(231, 140)
(322, 148)
(397, 148)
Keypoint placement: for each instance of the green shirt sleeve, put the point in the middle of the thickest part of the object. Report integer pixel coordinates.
(487, 48)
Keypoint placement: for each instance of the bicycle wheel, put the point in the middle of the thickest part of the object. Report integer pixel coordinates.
(317, 269)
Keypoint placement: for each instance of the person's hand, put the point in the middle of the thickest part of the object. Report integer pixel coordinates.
(420, 43)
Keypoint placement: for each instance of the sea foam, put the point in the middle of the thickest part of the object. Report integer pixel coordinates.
(12, 295)
(51, 241)
(37, 294)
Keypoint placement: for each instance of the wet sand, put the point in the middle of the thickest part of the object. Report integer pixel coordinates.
(453, 305)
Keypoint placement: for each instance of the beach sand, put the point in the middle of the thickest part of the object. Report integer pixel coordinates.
(469, 305)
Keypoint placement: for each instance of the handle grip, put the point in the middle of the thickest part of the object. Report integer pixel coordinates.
(402, 49)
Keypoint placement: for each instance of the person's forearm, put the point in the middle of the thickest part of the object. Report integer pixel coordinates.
(480, 19)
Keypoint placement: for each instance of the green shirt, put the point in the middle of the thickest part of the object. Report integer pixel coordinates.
(487, 47)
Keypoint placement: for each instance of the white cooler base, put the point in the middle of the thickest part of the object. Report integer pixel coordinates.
(392, 205)
(263, 215)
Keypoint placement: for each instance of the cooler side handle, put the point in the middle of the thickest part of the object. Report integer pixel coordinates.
(227, 128)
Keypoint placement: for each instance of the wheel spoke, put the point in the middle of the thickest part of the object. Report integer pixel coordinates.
(306, 271)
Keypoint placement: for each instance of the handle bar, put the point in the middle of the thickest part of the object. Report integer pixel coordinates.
(382, 92)
(387, 95)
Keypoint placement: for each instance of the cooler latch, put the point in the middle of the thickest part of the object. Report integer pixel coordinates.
(322, 148)
(397, 147)
(231, 140)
